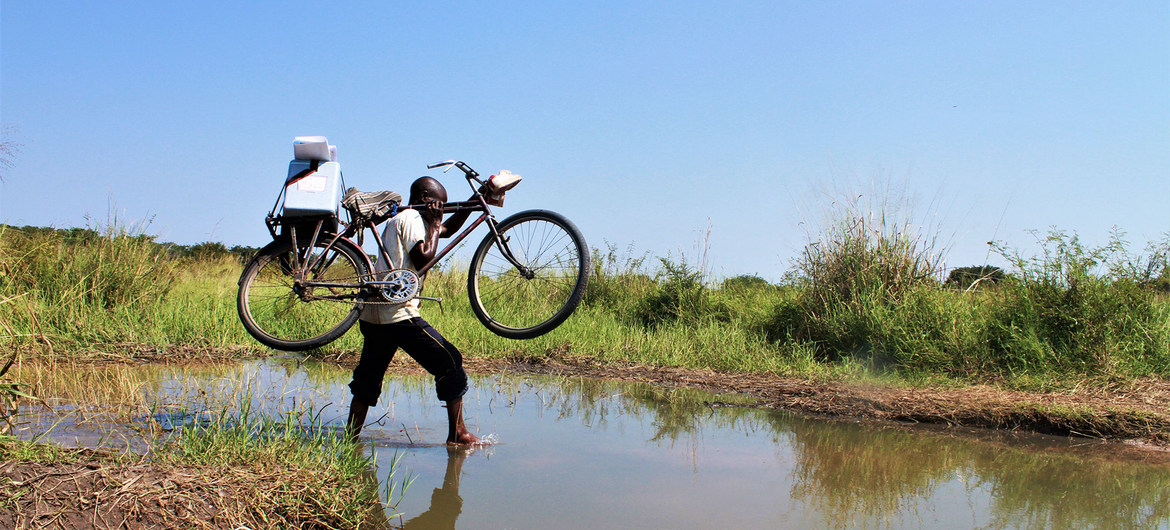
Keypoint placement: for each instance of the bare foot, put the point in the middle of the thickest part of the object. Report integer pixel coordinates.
(457, 433)
(463, 438)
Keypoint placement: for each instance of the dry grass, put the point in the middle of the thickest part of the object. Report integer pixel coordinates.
(83, 489)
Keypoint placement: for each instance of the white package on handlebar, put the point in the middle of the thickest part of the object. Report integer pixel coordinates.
(503, 181)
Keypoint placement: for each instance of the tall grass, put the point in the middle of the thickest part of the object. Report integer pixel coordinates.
(79, 287)
(105, 270)
(865, 287)
(865, 296)
(1080, 308)
(10, 393)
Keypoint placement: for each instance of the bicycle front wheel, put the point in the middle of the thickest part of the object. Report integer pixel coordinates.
(529, 302)
(292, 303)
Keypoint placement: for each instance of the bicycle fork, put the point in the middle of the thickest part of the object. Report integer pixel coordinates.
(502, 243)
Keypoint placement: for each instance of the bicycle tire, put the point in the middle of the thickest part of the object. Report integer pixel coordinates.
(275, 314)
(512, 306)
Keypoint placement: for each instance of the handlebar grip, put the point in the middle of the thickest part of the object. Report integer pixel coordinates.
(440, 164)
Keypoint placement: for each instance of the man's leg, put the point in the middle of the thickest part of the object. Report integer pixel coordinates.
(457, 433)
(357, 417)
(378, 349)
(442, 360)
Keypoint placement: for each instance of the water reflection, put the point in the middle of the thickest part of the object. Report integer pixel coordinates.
(446, 504)
(584, 453)
(869, 475)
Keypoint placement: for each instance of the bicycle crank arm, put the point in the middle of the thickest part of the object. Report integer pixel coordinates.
(438, 299)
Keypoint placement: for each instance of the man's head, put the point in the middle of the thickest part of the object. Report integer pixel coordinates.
(426, 188)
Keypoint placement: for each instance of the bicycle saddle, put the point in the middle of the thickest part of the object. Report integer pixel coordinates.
(371, 204)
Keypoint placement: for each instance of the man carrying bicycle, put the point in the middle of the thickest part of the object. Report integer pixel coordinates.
(411, 239)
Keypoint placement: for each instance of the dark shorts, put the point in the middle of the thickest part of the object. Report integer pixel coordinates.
(422, 343)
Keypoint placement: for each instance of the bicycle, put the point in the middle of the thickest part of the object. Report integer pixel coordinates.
(307, 287)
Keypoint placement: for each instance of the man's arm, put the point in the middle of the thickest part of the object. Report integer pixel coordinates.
(455, 222)
(424, 251)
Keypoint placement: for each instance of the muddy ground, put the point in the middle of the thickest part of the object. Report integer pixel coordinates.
(89, 490)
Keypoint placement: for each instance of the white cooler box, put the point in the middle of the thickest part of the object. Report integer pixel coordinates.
(319, 192)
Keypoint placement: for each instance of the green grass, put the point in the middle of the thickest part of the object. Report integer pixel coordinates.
(308, 473)
(864, 301)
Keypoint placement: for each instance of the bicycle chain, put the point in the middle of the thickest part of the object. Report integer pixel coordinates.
(364, 302)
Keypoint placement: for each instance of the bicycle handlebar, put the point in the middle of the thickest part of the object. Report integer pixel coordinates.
(466, 169)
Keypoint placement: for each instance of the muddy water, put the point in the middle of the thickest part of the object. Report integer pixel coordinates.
(573, 453)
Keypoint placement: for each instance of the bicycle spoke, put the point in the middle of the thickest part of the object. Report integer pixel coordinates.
(285, 310)
(549, 254)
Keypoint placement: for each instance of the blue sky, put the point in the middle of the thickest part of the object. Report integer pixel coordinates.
(641, 121)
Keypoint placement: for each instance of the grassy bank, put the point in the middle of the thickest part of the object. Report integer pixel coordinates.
(238, 470)
(863, 300)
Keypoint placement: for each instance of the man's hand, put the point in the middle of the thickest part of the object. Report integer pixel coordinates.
(432, 217)
(433, 214)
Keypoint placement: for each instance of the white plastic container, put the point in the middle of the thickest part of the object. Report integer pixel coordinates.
(316, 194)
(314, 148)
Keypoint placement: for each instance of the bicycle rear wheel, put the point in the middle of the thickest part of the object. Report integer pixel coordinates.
(516, 305)
(286, 314)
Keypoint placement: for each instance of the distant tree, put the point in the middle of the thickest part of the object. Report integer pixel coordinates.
(207, 250)
(965, 277)
(243, 253)
(745, 282)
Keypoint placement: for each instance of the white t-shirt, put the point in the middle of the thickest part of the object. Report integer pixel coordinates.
(402, 233)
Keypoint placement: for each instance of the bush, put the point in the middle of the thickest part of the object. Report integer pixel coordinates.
(617, 280)
(1078, 308)
(976, 276)
(744, 282)
(680, 297)
(1150, 269)
(864, 263)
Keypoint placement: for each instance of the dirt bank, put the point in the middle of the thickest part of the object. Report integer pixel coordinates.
(80, 488)
(1136, 412)
(91, 490)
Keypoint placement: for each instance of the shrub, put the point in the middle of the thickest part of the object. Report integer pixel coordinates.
(745, 282)
(971, 277)
(681, 297)
(1078, 308)
(1150, 269)
(864, 262)
(616, 279)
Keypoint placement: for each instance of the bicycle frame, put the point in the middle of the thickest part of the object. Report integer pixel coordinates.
(476, 204)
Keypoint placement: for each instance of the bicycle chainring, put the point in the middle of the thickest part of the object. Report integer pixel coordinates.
(403, 285)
